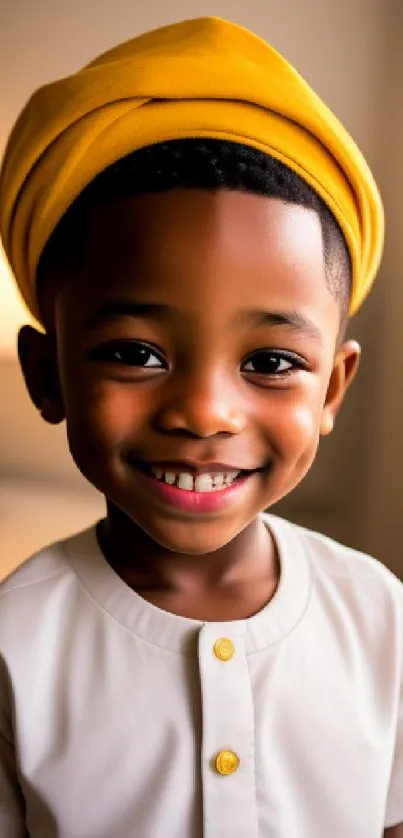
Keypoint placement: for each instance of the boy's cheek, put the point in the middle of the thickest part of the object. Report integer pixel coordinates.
(292, 431)
(100, 427)
(105, 432)
(96, 452)
(108, 410)
(293, 446)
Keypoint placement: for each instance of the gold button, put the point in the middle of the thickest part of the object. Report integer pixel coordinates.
(226, 762)
(224, 649)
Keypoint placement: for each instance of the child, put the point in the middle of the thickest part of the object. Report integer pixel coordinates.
(192, 227)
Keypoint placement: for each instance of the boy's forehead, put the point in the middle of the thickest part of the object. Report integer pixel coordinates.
(221, 221)
(194, 251)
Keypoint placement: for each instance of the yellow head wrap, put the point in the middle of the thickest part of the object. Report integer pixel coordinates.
(198, 78)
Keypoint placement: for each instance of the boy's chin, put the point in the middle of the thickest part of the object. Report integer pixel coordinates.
(185, 522)
(192, 538)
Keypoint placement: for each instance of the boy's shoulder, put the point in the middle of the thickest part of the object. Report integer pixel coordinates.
(40, 600)
(334, 563)
(45, 568)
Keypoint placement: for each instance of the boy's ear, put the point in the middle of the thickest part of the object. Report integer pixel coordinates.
(345, 366)
(38, 359)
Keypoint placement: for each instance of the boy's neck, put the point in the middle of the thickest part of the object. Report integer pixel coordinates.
(232, 583)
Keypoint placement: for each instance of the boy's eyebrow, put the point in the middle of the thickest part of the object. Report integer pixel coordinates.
(291, 319)
(124, 307)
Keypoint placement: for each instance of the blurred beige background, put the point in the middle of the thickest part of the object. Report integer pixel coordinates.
(351, 51)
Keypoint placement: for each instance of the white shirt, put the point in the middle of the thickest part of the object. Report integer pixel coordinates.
(113, 712)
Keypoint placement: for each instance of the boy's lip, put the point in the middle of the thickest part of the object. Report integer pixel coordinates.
(192, 502)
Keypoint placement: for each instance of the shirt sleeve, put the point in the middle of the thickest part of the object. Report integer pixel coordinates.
(12, 815)
(394, 806)
(12, 807)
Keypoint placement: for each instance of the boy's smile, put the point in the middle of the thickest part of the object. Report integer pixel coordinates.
(197, 360)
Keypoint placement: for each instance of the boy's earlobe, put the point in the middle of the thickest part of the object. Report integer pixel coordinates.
(327, 422)
(38, 360)
(52, 411)
(345, 367)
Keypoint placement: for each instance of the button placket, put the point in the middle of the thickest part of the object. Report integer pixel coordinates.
(228, 764)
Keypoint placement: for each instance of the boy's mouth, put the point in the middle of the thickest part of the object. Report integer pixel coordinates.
(194, 480)
(194, 488)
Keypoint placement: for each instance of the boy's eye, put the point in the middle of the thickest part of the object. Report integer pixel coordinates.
(274, 363)
(130, 353)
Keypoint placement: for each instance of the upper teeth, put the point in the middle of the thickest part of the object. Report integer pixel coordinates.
(195, 483)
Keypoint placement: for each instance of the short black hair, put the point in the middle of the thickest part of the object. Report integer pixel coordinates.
(199, 164)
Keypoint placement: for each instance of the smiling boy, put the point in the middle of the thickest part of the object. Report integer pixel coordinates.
(192, 227)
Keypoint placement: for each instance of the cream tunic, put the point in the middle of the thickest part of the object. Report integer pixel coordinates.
(116, 715)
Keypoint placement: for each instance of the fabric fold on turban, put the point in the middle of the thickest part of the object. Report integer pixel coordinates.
(203, 78)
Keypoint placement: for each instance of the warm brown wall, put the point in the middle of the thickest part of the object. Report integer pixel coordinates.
(383, 512)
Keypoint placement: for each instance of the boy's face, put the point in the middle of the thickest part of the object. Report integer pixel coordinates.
(198, 339)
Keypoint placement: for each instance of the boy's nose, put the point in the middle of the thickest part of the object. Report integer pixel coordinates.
(201, 409)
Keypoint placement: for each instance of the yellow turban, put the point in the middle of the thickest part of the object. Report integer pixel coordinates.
(198, 78)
